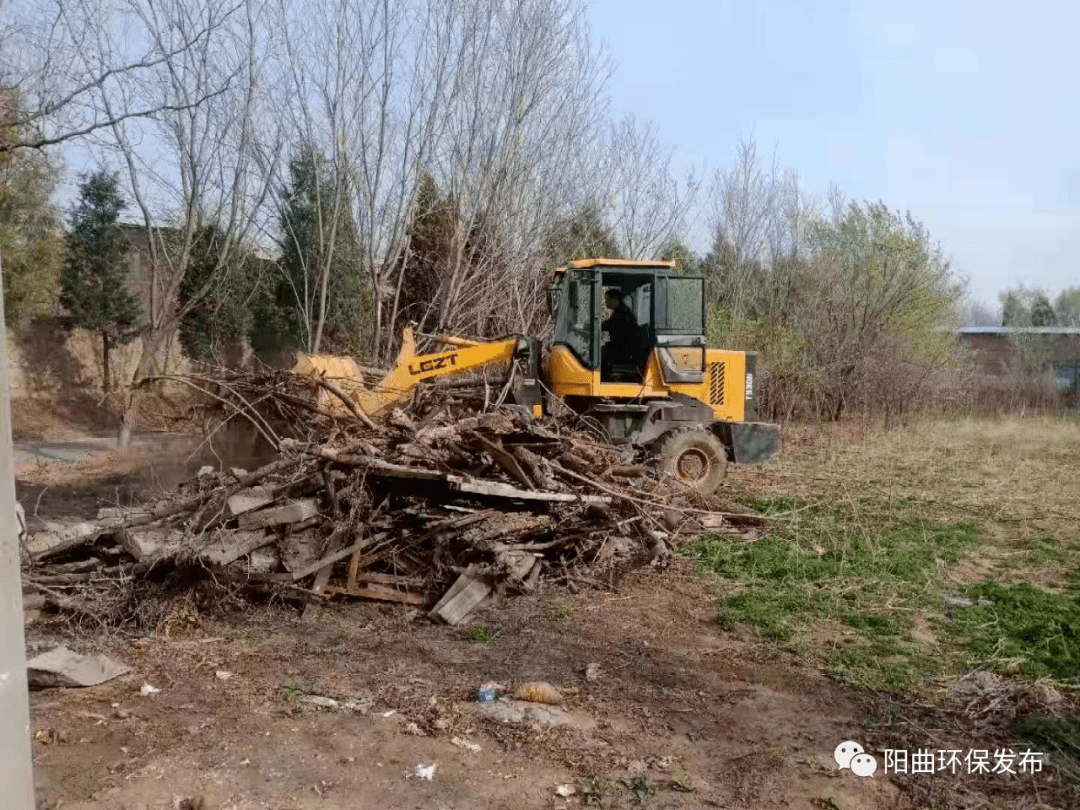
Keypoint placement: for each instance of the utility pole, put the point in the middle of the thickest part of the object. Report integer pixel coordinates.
(16, 759)
(16, 763)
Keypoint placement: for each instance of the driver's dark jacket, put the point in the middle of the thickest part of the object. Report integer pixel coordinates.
(623, 328)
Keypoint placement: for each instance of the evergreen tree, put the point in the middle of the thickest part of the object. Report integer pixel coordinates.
(448, 251)
(1014, 311)
(1067, 307)
(432, 229)
(318, 235)
(93, 280)
(1042, 314)
(223, 313)
(677, 250)
(581, 235)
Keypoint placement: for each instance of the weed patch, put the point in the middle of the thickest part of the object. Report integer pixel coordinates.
(866, 536)
(832, 568)
(1027, 628)
(558, 611)
(1059, 739)
(478, 634)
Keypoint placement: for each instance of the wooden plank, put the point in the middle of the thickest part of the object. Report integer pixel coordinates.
(59, 538)
(249, 500)
(500, 490)
(325, 568)
(400, 560)
(130, 542)
(505, 460)
(362, 542)
(189, 504)
(455, 611)
(381, 593)
(311, 608)
(533, 466)
(120, 513)
(299, 550)
(294, 512)
(79, 567)
(399, 582)
(292, 490)
(230, 546)
(325, 562)
(459, 585)
(330, 559)
(143, 544)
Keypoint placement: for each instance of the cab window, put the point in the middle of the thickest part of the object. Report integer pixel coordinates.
(574, 317)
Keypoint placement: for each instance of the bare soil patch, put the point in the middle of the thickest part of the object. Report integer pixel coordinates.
(683, 715)
(51, 418)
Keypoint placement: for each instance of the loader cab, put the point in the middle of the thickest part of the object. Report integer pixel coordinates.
(661, 389)
(616, 316)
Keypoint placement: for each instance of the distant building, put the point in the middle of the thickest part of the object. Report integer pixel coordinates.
(140, 260)
(998, 350)
(139, 275)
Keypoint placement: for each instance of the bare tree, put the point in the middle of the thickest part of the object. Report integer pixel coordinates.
(648, 204)
(512, 154)
(63, 57)
(978, 313)
(491, 99)
(322, 74)
(205, 159)
(744, 208)
(792, 214)
(400, 68)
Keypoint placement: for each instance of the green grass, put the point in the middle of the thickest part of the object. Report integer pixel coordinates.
(1059, 739)
(1031, 629)
(869, 533)
(836, 570)
(478, 634)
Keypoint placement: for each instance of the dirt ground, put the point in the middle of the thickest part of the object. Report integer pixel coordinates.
(681, 714)
(695, 717)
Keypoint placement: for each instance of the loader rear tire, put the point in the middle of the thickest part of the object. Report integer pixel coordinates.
(694, 457)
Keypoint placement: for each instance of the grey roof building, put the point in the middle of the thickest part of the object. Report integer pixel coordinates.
(999, 349)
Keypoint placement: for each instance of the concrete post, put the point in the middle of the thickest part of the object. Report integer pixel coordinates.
(16, 764)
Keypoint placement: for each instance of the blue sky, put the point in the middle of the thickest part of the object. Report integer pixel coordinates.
(965, 113)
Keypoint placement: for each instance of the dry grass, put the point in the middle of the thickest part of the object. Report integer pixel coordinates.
(1008, 470)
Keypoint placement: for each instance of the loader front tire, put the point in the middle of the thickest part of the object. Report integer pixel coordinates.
(694, 457)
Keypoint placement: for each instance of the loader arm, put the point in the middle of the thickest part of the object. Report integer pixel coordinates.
(409, 369)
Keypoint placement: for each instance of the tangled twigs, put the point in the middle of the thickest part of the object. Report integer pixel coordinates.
(393, 512)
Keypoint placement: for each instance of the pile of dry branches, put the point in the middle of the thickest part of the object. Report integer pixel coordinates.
(453, 490)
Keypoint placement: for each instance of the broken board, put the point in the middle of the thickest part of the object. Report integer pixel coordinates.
(463, 597)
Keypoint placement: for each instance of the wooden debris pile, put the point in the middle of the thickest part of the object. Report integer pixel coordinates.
(437, 508)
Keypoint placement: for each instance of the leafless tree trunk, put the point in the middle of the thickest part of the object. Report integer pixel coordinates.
(400, 68)
(491, 99)
(648, 204)
(318, 70)
(208, 158)
(513, 153)
(744, 203)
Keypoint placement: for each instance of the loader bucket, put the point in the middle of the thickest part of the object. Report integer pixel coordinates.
(341, 372)
(344, 374)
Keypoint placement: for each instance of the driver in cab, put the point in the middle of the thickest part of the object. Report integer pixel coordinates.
(622, 328)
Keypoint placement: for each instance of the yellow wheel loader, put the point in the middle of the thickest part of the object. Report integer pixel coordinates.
(643, 372)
